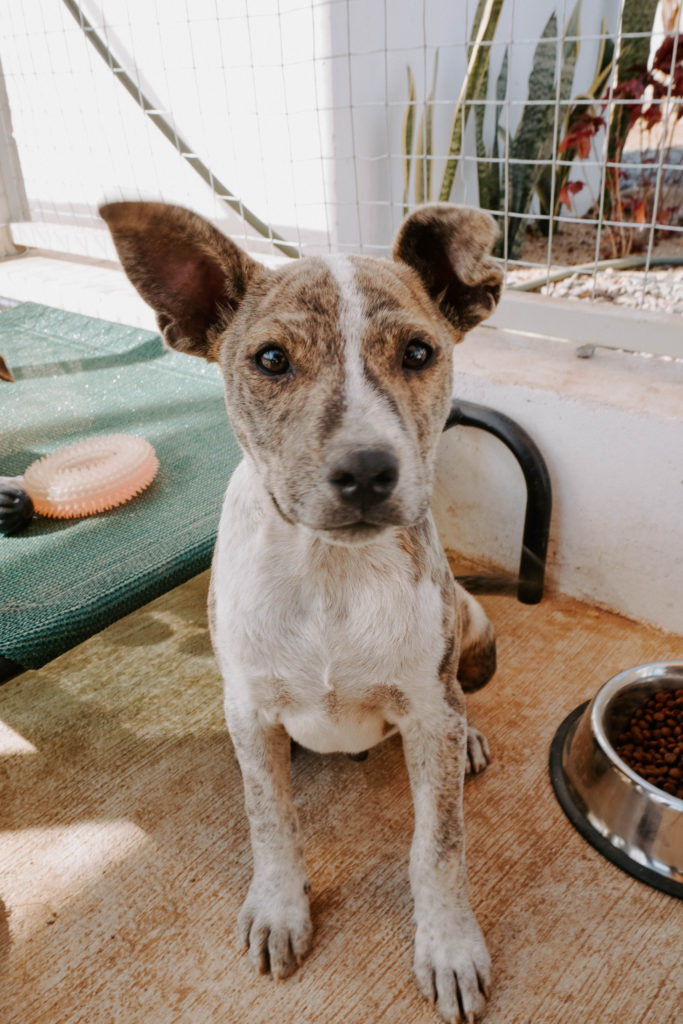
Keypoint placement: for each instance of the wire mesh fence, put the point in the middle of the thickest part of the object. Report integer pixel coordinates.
(307, 126)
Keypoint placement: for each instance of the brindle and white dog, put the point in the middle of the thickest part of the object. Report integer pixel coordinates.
(335, 617)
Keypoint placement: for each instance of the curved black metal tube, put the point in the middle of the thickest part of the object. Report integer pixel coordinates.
(538, 488)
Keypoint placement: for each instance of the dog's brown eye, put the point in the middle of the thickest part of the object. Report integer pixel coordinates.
(417, 354)
(272, 360)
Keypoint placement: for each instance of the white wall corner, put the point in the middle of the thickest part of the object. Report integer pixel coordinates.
(13, 204)
(7, 246)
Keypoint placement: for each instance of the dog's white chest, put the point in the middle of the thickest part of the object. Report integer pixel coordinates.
(328, 641)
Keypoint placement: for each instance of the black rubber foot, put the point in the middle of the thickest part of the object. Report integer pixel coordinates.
(9, 669)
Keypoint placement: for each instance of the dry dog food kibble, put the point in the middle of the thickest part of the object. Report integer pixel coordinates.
(652, 742)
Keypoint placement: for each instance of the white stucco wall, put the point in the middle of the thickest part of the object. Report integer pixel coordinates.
(611, 431)
(12, 206)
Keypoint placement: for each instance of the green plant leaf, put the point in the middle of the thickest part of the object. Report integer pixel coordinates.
(407, 135)
(424, 145)
(429, 128)
(483, 168)
(496, 170)
(473, 87)
(420, 162)
(637, 18)
(489, 170)
(533, 140)
(570, 53)
(604, 63)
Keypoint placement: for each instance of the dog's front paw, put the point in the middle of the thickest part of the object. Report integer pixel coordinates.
(452, 966)
(275, 924)
(478, 753)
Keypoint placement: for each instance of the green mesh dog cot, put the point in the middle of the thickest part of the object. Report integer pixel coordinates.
(75, 377)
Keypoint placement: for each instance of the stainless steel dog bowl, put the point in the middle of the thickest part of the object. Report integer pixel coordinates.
(631, 822)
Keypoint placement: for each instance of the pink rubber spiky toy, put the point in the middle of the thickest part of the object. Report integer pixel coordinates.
(90, 476)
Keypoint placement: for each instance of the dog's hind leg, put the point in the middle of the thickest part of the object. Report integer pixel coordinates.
(478, 753)
(477, 662)
(476, 665)
(275, 920)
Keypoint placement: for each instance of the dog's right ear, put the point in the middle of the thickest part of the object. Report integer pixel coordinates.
(192, 276)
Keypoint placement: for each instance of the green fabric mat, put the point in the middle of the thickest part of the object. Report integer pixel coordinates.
(63, 580)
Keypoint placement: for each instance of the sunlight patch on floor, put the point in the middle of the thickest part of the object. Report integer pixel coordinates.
(12, 743)
(51, 865)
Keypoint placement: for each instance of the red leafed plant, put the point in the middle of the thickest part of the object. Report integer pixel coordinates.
(581, 133)
(568, 190)
(650, 97)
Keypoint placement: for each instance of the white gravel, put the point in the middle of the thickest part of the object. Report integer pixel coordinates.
(660, 289)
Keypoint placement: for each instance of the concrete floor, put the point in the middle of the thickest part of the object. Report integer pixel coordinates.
(124, 855)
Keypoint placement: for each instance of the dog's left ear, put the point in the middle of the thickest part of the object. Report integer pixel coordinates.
(450, 246)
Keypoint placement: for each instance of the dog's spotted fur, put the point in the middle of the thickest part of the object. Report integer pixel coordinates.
(336, 621)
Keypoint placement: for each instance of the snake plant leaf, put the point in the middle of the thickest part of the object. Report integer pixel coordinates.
(570, 52)
(489, 171)
(474, 85)
(637, 20)
(534, 137)
(605, 62)
(420, 185)
(407, 135)
(424, 148)
(484, 175)
(429, 126)
(483, 168)
(496, 167)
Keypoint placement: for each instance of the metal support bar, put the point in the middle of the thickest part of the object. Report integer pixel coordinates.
(538, 488)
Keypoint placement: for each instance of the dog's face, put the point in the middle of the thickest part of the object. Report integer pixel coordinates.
(337, 370)
(338, 377)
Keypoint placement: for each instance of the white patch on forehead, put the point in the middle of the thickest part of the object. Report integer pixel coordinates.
(366, 409)
(351, 321)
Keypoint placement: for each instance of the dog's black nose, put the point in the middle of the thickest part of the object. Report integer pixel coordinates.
(365, 477)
